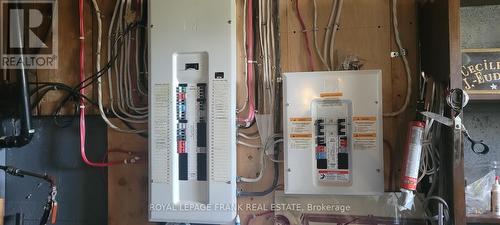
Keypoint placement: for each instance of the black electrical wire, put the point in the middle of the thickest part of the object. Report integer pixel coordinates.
(51, 199)
(144, 135)
(46, 87)
(92, 78)
(110, 63)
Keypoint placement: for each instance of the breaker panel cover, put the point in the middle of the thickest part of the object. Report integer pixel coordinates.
(192, 125)
(333, 133)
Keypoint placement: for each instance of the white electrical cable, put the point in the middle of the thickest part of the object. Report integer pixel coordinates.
(263, 49)
(315, 34)
(137, 69)
(271, 56)
(397, 36)
(328, 32)
(128, 84)
(267, 47)
(98, 68)
(261, 171)
(274, 160)
(334, 32)
(123, 86)
(248, 144)
(429, 163)
(263, 153)
(248, 137)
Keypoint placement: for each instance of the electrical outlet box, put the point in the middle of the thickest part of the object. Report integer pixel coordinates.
(192, 139)
(333, 133)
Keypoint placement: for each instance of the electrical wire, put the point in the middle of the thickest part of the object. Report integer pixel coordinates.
(335, 28)
(99, 80)
(82, 92)
(248, 137)
(263, 153)
(247, 95)
(250, 118)
(315, 36)
(399, 43)
(121, 94)
(248, 145)
(267, 74)
(328, 33)
(261, 170)
(46, 87)
(277, 114)
(306, 37)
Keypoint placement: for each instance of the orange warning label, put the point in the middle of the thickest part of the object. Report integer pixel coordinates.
(365, 135)
(300, 135)
(331, 94)
(301, 119)
(364, 118)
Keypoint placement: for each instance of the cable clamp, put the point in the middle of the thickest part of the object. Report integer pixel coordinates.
(82, 38)
(402, 52)
(82, 106)
(251, 62)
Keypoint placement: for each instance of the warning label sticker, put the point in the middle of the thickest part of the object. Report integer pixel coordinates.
(333, 175)
(366, 141)
(364, 124)
(364, 132)
(300, 132)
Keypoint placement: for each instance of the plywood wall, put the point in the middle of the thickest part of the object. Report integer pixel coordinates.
(365, 31)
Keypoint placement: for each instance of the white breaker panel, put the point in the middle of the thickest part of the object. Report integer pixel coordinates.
(192, 121)
(333, 133)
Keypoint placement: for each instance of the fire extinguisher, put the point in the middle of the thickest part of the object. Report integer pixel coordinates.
(412, 154)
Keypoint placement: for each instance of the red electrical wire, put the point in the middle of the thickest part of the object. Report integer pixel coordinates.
(304, 31)
(82, 100)
(250, 61)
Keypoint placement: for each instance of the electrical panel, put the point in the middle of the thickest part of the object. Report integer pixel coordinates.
(333, 133)
(192, 111)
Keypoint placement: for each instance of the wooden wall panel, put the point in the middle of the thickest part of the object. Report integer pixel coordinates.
(365, 30)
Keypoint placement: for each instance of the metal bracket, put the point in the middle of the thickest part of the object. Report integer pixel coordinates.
(402, 52)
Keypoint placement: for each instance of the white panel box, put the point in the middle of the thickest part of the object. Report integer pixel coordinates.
(333, 133)
(192, 144)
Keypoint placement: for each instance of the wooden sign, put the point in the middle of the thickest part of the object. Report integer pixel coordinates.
(481, 71)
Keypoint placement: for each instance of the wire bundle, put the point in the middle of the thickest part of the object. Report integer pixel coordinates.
(248, 35)
(326, 56)
(124, 84)
(266, 25)
(124, 95)
(267, 49)
(306, 37)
